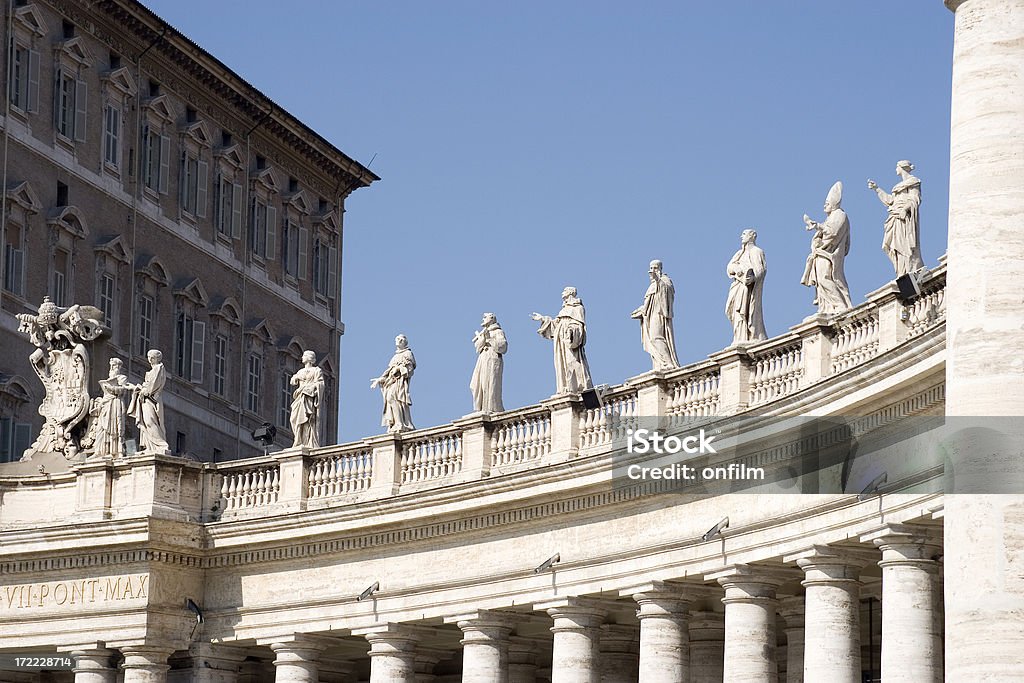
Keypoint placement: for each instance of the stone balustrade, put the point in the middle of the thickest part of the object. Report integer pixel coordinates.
(484, 445)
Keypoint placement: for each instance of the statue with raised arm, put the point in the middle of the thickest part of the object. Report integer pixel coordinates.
(747, 269)
(568, 331)
(829, 246)
(655, 316)
(147, 406)
(491, 345)
(105, 437)
(306, 401)
(61, 362)
(394, 387)
(902, 239)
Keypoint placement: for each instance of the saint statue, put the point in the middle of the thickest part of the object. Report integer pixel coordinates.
(902, 239)
(747, 269)
(569, 332)
(105, 437)
(829, 246)
(306, 401)
(655, 316)
(147, 407)
(394, 387)
(491, 345)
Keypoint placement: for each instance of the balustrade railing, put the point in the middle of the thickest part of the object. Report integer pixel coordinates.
(336, 475)
(776, 372)
(610, 421)
(432, 457)
(694, 395)
(252, 487)
(927, 309)
(521, 439)
(857, 339)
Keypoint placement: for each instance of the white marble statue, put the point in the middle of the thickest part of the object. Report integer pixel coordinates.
(829, 246)
(568, 330)
(306, 401)
(394, 387)
(655, 316)
(491, 345)
(105, 437)
(147, 407)
(61, 362)
(902, 239)
(747, 269)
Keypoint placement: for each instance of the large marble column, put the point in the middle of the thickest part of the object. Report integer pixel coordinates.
(984, 589)
(831, 613)
(392, 652)
(485, 638)
(210, 664)
(911, 612)
(296, 661)
(94, 666)
(707, 647)
(575, 656)
(619, 653)
(791, 610)
(145, 664)
(664, 635)
(750, 637)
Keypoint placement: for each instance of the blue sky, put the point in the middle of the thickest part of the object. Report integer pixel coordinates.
(531, 145)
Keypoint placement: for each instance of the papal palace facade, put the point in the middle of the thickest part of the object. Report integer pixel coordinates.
(885, 540)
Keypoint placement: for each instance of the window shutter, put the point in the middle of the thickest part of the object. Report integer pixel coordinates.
(183, 182)
(303, 252)
(81, 102)
(271, 231)
(57, 77)
(33, 81)
(236, 211)
(22, 438)
(198, 350)
(6, 429)
(332, 281)
(201, 189)
(165, 162)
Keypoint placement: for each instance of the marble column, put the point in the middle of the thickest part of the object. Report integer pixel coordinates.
(522, 660)
(664, 636)
(94, 666)
(425, 661)
(750, 637)
(392, 652)
(575, 656)
(911, 613)
(791, 610)
(707, 647)
(984, 588)
(211, 664)
(296, 661)
(485, 638)
(335, 670)
(832, 612)
(145, 664)
(620, 656)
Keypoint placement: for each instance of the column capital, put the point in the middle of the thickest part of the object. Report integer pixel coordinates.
(746, 582)
(146, 658)
(792, 609)
(905, 542)
(573, 613)
(623, 638)
(389, 637)
(666, 592)
(92, 660)
(828, 564)
(489, 623)
(296, 649)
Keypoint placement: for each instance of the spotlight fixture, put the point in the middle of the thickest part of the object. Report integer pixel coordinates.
(369, 591)
(548, 563)
(265, 434)
(873, 487)
(716, 530)
(594, 398)
(192, 607)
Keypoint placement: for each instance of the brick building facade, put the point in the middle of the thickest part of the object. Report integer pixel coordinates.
(144, 177)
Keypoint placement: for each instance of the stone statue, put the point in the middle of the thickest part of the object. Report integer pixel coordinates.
(829, 246)
(306, 401)
(569, 332)
(902, 239)
(105, 437)
(655, 316)
(147, 407)
(61, 362)
(747, 269)
(394, 386)
(491, 345)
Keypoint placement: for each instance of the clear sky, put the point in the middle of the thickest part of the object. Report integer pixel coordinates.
(531, 145)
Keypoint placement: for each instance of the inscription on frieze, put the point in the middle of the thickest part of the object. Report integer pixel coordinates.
(62, 594)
